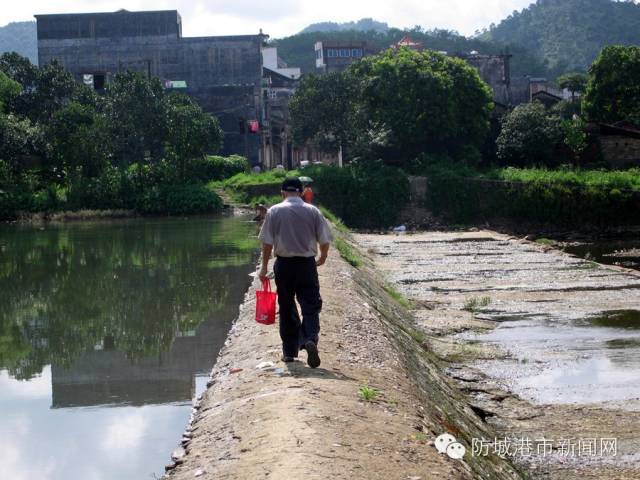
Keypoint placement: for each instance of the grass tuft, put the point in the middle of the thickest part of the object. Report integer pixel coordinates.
(398, 297)
(474, 304)
(546, 242)
(349, 253)
(367, 393)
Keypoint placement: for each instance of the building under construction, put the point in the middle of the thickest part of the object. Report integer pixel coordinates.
(223, 74)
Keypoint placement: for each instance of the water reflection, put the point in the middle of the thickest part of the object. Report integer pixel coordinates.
(563, 360)
(129, 313)
(625, 253)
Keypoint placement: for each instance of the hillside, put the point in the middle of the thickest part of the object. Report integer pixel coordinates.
(298, 50)
(362, 25)
(569, 34)
(20, 37)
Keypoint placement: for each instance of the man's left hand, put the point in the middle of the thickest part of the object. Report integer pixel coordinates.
(321, 261)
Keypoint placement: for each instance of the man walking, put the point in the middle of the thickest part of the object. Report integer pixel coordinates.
(292, 230)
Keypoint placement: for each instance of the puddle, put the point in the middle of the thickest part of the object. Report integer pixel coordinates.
(622, 253)
(621, 343)
(567, 360)
(628, 319)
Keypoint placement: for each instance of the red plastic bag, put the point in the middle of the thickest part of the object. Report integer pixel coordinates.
(266, 304)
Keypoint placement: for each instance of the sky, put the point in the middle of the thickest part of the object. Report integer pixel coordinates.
(286, 17)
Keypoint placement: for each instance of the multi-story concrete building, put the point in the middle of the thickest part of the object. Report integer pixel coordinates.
(337, 56)
(223, 74)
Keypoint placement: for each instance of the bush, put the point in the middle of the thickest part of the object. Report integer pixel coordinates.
(183, 199)
(274, 177)
(571, 198)
(103, 192)
(178, 200)
(367, 195)
(215, 168)
(529, 137)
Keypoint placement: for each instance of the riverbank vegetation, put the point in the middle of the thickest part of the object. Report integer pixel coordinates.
(560, 197)
(362, 195)
(64, 146)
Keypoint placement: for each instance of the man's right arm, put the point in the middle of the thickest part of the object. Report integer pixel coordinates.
(266, 255)
(324, 237)
(324, 252)
(266, 237)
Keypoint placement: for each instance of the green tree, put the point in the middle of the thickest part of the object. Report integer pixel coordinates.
(19, 139)
(423, 103)
(79, 139)
(575, 82)
(44, 90)
(613, 91)
(9, 89)
(190, 132)
(574, 136)
(529, 136)
(54, 88)
(324, 111)
(568, 34)
(136, 113)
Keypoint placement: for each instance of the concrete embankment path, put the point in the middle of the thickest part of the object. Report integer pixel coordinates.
(263, 419)
(546, 345)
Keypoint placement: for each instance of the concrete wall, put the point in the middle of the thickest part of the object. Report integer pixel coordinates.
(223, 74)
(494, 70)
(620, 151)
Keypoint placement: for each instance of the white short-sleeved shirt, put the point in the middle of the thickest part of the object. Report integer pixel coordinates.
(295, 229)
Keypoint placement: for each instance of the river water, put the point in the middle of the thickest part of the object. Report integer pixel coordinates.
(107, 333)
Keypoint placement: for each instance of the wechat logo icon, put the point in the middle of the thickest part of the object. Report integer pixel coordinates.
(447, 443)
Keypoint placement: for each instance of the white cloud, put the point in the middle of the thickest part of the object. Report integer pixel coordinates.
(38, 387)
(16, 457)
(124, 433)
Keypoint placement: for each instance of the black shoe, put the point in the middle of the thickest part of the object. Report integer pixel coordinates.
(287, 359)
(313, 359)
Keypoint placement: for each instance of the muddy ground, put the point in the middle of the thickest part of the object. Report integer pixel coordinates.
(264, 419)
(545, 344)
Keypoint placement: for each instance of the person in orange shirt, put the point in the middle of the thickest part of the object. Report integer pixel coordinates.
(307, 193)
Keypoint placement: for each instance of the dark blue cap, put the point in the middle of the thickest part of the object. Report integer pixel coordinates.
(292, 184)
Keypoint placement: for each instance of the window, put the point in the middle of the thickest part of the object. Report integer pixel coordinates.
(332, 52)
(356, 52)
(98, 81)
(344, 52)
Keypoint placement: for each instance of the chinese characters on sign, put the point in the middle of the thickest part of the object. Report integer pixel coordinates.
(526, 447)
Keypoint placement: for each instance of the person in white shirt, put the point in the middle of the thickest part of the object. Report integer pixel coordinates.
(292, 231)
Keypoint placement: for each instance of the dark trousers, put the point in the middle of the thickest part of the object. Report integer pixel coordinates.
(297, 278)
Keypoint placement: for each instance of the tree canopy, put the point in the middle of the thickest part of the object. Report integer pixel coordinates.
(396, 105)
(529, 136)
(567, 35)
(575, 82)
(60, 140)
(324, 111)
(613, 91)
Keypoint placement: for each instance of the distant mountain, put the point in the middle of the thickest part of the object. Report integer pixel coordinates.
(20, 37)
(569, 34)
(362, 25)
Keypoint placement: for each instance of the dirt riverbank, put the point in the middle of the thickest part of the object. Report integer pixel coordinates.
(261, 418)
